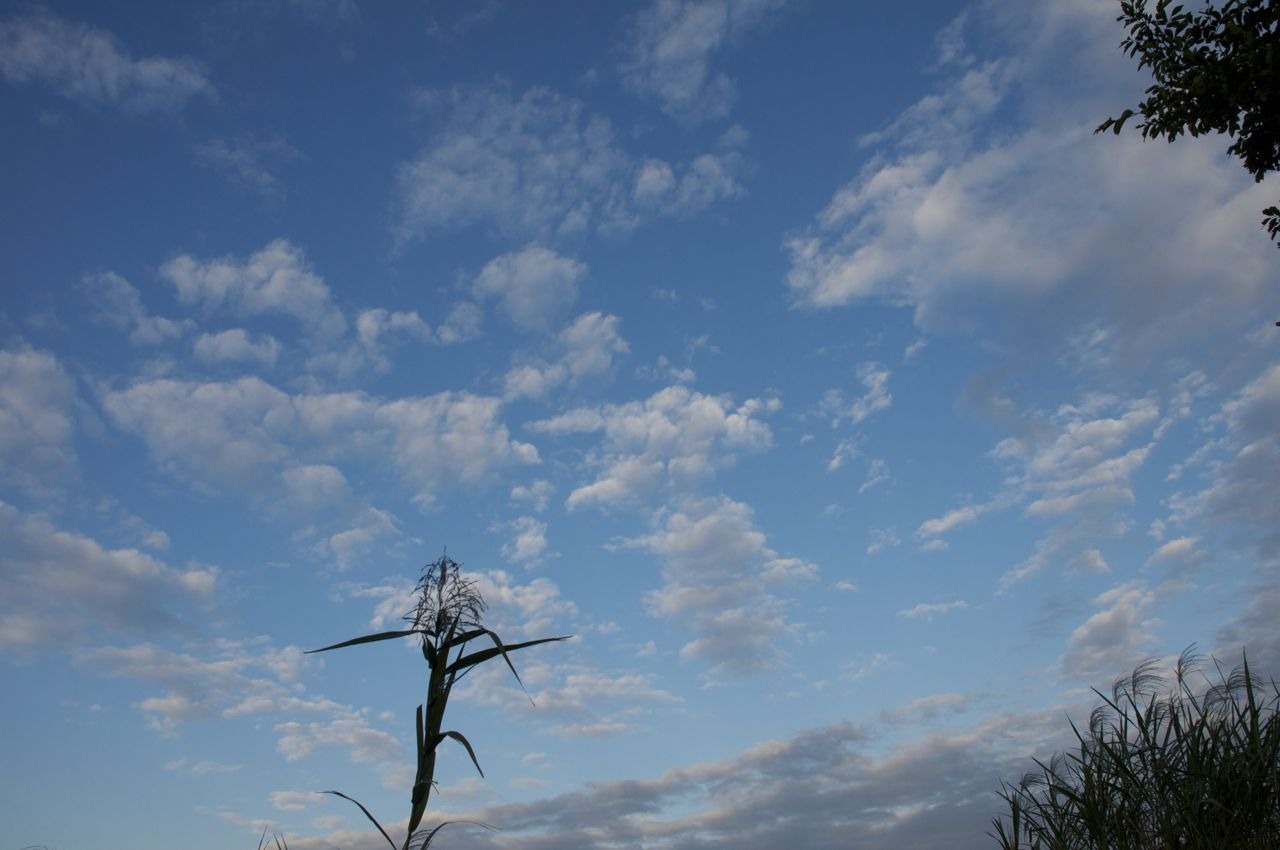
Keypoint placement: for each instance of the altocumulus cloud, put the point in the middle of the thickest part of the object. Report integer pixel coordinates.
(540, 165)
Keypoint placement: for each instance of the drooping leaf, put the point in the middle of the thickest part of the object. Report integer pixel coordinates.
(367, 814)
(461, 739)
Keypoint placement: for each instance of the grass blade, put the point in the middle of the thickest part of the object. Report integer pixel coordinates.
(370, 639)
(502, 649)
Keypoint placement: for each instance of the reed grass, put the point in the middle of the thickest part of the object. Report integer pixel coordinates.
(1182, 762)
(447, 618)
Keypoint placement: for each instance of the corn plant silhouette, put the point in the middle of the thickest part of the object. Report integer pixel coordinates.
(446, 618)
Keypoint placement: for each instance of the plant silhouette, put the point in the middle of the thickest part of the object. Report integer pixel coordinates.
(447, 618)
(1162, 765)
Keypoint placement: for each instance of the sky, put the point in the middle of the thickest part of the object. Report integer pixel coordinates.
(853, 406)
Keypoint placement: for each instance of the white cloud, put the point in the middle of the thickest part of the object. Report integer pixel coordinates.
(529, 544)
(244, 433)
(314, 485)
(535, 287)
(365, 744)
(37, 422)
(927, 611)
(571, 700)
(1043, 219)
(84, 63)
(877, 473)
(882, 539)
(539, 165)
(716, 572)
(1180, 552)
(277, 280)
(875, 397)
(203, 768)
(374, 326)
(1117, 636)
(461, 324)
(292, 801)
(535, 495)
(585, 349)
(236, 346)
(1088, 561)
(532, 610)
(119, 304)
(677, 435)
(1072, 467)
(1243, 468)
(951, 519)
(672, 45)
(222, 678)
(353, 542)
(60, 586)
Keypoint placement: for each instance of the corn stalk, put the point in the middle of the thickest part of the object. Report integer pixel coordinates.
(447, 618)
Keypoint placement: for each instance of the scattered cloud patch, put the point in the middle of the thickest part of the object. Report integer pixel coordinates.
(672, 44)
(246, 432)
(118, 304)
(85, 63)
(37, 420)
(875, 397)
(586, 348)
(927, 611)
(276, 280)
(677, 435)
(717, 568)
(1119, 634)
(1042, 217)
(534, 287)
(48, 602)
(236, 346)
(539, 165)
(528, 546)
(536, 494)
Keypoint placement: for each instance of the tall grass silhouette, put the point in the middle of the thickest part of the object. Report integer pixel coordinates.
(447, 617)
(1162, 765)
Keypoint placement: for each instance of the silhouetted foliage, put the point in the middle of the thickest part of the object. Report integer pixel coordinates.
(1161, 766)
(1216, 70)
(447, 617)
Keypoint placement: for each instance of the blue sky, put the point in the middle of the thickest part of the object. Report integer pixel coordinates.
(813, 364)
